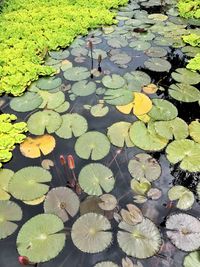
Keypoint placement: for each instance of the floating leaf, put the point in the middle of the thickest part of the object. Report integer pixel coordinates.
(156, 51)
(176, 128)
(146, 138)
(121, 58)
(157, 17)
(141, 105)
(184, 151)
(95, 178)
(97, 52)
(118, 97)
(163, 110)
(29, 101)
(47, 119)
(140, 45)
(136, 80)
(94, 145)
(76, 74)
(192, 259)
(35, 202)
(91, 204)
(63, 107)
(106, 264)
(115, 81)
(194, 129)
(5, 176)
(72, 124)
(39, 238)
(157, 64)
(141, 186)
(154, 193)
(132, 216)
(185, 76)
(83, 88)
(190, 51)
(62, 202)
(107, 202)
(184, 196)
(99, 110)
(144, 166)
(184, 92)
(117, 42)
(118, 134)
(51, 100)
(184, 231)
(150, 88)
(62, 54)
(37, 146)
(49, 83)
(140, 241)
(90, 233)
(29, 183)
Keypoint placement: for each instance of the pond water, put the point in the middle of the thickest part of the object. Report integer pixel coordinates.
(124, 48)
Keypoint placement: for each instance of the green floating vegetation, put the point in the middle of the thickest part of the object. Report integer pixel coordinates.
(189, 8)
(39, 26)
(10, 134)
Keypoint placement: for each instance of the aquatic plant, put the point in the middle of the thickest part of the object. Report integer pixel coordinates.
(189, 8)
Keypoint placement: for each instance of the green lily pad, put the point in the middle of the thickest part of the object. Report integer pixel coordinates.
(183, 75)
(47, 119)
(99, 110)
(163, 110)
(63, 107)
(184, 151)
(184, 196)
(115, 81)
(117, 42)
(29, 101)
(176, 128)
(157, 64)
(76, 74)
(163, 41)
(146, 138)
(140, 45)
(192, 259)
(39, 238)
(140, 241)
(121, 58)
(156, 51)
(5, 176)
(79, 51)
(190, 51)
(118, 134)
(49, 83)
(118, 97)
(136, 80)
(95, 178)
(194, 129)
(94, 145)
(144, 166)
(98, 52)
(184, 231)
(62, 202)
(106, 264)
(10, 212)
(184, 92)
(51, 100)
(72, 124)
(59, 54)
(29, 183)
(83, 88)
(141, 187)
(91, 233)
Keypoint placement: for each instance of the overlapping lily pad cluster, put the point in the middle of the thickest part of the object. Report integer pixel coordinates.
(72, 111)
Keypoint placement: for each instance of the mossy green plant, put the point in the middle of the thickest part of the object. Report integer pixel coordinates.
(10, 135)
(36, 27)
(189, 8)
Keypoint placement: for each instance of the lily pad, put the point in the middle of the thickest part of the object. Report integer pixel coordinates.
(184, 92)
(10, 212)
(140, 241)
(99, 110)
(136, 80)
(184, 196)
(91, 204)
(63, 107)
(91, 233)
(190, 51)
(44, 120)
(163, 110)
(140, 186)
(39, 240)
(176, 128)
(133, 215)
(5, 176)
(184, 151)
(121, 58)
(143, 165)
(51, 100)
(140, 45)
(156, 51)
(117, 42)
(106, 264)
(118, 97)
(146, 138)
(192, 259)
(107, 202)
(83, 88)
(72, 125)
(29, 183)
(95, 178)
(62, 202)
(157, 65)
(115, 81)
(29, 101)
(118, 134)
(150, 88)
(194, 129)
(185, 76)
(184, 231)
(62, 54)
(158, 17)
(98, 52)
(49, 83)
(76, 74)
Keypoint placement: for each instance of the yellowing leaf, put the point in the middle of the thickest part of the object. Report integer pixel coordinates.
(36, 201)
(150, 89)
(141, 105)
(34, 147)
(145, 118)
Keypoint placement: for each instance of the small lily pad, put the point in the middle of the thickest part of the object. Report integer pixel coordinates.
(194, 129)
(184, 92)
(106, 264)
(192, 259)
(118, 97)
(185, 76)
(99, 110)
(140, 45)
(83, 88)
(115, 81)
(156, 51)
(184, 196)
(51, 100)
(59, 54)
(117, 42)
(49, 83)
(76, 74)
(136, 80)
(5, 176)
(157, 65)
(107, 202)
